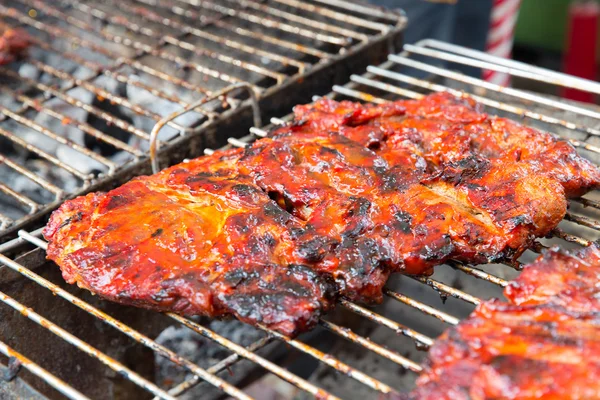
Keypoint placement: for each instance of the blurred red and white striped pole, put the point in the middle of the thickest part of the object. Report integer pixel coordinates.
(501, 36)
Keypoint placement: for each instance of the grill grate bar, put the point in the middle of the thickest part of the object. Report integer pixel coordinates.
(445, 290)
(224, 41)
(268, 365)
(286, 44)
(100, 69)
(434, 312)
(588, 203)
(83, 346)
(581, 220)
(5, 221)
(34, 149)
(58, 192)
(571, 238)
(332, 362)
(100, 93)
(268, 22)
(135, 335)
(111, 120)
(479, 274)
(505, 90)
(117, 20)
(421, 340)
(303, 20)
(382, 28)
(35, 369)
(218, 367)
(369, 344)
(65, 120)
(493, 63)
(26, 201)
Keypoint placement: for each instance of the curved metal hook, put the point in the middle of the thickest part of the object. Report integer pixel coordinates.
(154, 144)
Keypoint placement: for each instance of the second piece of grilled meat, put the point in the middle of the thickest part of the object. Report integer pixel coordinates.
(505, 351)
(545, 344)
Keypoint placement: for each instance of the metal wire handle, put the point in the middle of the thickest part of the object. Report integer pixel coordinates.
(154, 144)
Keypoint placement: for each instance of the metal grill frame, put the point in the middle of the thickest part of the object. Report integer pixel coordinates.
(356, 50)
(351, 90)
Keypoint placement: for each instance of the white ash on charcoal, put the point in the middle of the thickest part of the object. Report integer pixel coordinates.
(204, 353)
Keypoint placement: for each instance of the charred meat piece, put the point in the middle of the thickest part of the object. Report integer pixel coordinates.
(545, 344)
(13, 44)
(560, 278)
(202, 243)
(505, 351)
(403, 218)
(443, 128)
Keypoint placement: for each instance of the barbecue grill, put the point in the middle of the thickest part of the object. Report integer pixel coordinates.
(380, 348)
(99, 75)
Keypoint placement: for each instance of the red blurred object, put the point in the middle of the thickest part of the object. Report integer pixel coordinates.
(13, 44)
(580, 56)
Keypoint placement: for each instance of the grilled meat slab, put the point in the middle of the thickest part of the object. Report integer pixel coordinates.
(200, 243)
(443, 128)
(545, 344)
(505, 351)
(271, 234)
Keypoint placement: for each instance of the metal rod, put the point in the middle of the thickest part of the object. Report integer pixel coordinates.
(218, 367)
(557, 78)
(358, 95)
(154, 145)
(50, 158)
(591, 86)
(132, 333)
(421, 340)
(344, 17)
(300, 48)
(447, 290)
(58, 384)
(268, 365)
(216, 38)
(369, 344)
(268, 22)
(59, 139)
(571, 238)
(58, 192)
(500, 89)
(83, 346)
(109, 118)
(84, 127)
(434, 312)
(13, 243)
(479, 274)
(313, 23)
(332, 362)
(26, 201)
(588, 202)
(581, 220)
(118, 20)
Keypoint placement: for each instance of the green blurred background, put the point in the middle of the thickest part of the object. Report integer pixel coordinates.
(542, 24)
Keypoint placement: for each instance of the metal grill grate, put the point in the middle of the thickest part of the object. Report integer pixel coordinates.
(100, 74)
(387, 81)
